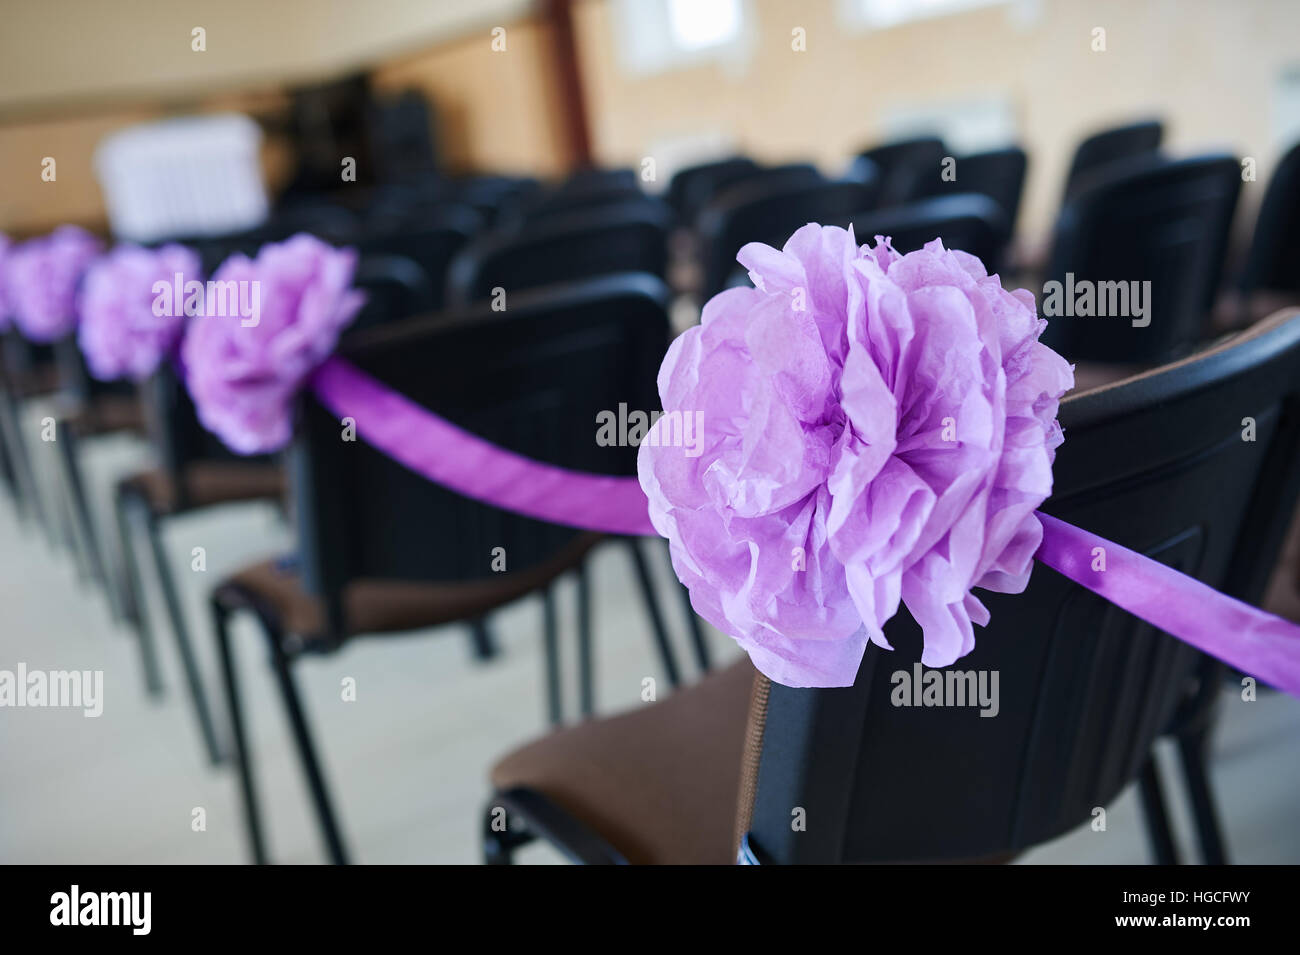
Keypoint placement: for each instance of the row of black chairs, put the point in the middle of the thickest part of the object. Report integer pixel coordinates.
(363, 565)
(311, 603)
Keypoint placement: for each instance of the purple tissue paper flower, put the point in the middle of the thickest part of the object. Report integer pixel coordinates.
(127, 327)
(41, 279)
(244, 365)
(877, 428)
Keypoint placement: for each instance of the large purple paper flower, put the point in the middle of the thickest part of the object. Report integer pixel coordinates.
(877, 428)
(127, 325)
(41, 279)
(243, 369)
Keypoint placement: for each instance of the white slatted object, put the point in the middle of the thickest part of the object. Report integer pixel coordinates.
(192, 176)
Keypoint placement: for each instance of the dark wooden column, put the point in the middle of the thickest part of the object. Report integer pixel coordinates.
(557, 15)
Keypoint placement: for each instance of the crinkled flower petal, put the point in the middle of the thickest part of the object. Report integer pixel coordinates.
(879, 431)
(41, 279)
(245, 364)
(132, 316)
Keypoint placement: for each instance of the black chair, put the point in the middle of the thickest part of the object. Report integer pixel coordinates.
(86, 408)
(1155, 463)
(998, 174)
(902, 166)
(753, 211)
(969, 222)
(197, 471)
(432, 242)
(493, 197)
(773, 179)
(532, 379)
(1112, 145)
(582, 244)
(91, 409)
(1271, 265)
(20, 379)
(400, 134)
(1148, 220)
(194, 471)
(691, 188)
(581, 191)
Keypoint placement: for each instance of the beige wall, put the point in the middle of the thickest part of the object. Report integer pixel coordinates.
(73, 74)
(53, 52)
(1208, 67)
(496, 110)
(73, 70)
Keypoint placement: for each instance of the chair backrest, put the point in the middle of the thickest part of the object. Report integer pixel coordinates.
(493, 197)
(771, 179)
(396, 287)
(432, 243)
(1155, 463)
(754, 211)
(1147, 220)
(582, 190)
(629, 237)
(690, 189)
(178, 439)
(400, 131)
(902, 164)
(1274, 260)
(1112, 145)
(532, 379)
(998, 174)
(969, 222)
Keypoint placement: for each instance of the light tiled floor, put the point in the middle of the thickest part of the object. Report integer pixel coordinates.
(408, 760)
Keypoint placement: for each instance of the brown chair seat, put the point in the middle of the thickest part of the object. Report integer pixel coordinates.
(35, 382)
(659, 783)
(207, 483)
(275, 592)
(109, 414)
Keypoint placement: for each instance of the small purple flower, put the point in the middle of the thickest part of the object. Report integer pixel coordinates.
(130, 319)
(243, 370)
(41, 280)
(880, 429)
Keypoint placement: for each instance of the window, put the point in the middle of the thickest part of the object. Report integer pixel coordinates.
(699, 24)
(881, 14)
(658, 35)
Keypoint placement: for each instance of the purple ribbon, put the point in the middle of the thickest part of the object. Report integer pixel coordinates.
(435, 448)
(1246, 637)
(1243, 636)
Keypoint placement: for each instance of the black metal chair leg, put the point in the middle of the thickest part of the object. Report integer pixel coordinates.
(1192, 749)
(307, 752)
(10, 421)
(67, 530)
(135, 609)
(9, 460)
(243, 761)
(499, 844)
(586, 664)
(85, 524)
(551, 636)
(189, 662)
(482, 640)
(1157, 818)
(665, 647)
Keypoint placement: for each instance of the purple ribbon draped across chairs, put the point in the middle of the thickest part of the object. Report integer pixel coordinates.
(889, 419)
